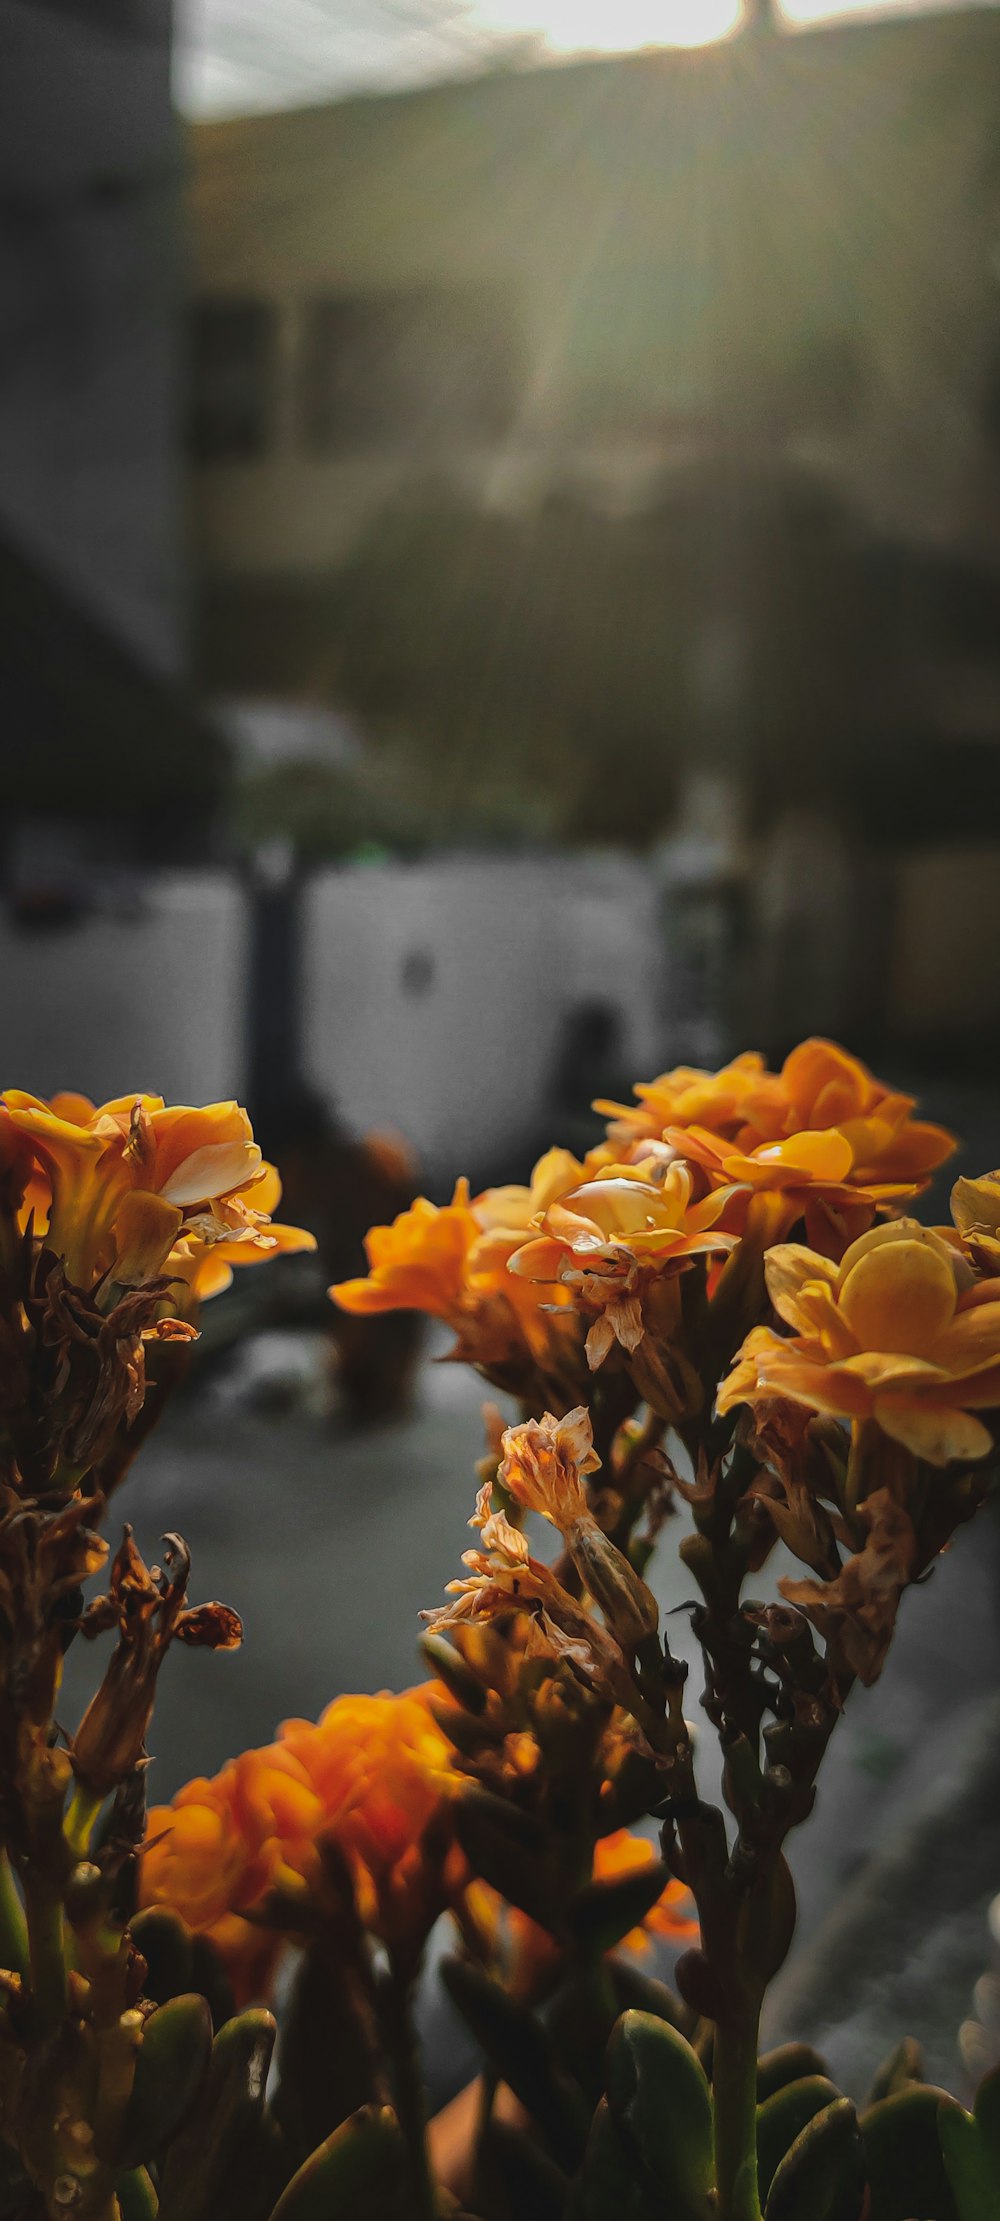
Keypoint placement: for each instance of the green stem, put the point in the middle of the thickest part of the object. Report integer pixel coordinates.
(47, 1948)
(408, 2085)
(13, 1926)
(734, 2084)
(81, 1814)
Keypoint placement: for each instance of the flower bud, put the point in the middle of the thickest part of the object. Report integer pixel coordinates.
(630, 1608)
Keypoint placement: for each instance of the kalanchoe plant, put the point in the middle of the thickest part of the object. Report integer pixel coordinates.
(724, 1307)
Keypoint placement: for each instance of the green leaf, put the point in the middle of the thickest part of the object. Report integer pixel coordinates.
(986, 2113)
(906, 2172)
(822, 2178)
(904, 2065)
(969, 2163)
(170, 2067)
(789, 2063)
(358, 2174)
(508, 1856)
(603, 1912)
(136, 2196)
(225, 2162)
(783, 2116)
(610, 2185)
(662, 2106)
(165, 1944)
(518, 2049)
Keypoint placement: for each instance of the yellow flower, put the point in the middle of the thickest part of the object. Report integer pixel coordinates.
(608, 1239)
(121, 1188)
(899, 1332)
(451, 1262)
(418, 1263)
(975, 1208)
(821, 1085)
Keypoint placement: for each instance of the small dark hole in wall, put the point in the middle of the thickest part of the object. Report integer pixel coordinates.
(417, 972)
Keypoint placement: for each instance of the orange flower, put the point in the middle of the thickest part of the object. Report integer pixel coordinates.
(821, 1085)
(381, 1771)
(899, 1332)
(373, 1775)
(452, 1263)
(808, 1176)
(118, 1188)
(686, 1097)
(418, 1263)
(223, 1844)
(609, 1238)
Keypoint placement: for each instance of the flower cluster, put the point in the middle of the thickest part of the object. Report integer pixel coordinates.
(132, 1191)
(372, 1777)
(703, 1165)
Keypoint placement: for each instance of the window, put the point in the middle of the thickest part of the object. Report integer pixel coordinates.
(232, 379)
(381, 368)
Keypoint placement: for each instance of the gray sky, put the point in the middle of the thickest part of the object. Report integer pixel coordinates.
(237, 55)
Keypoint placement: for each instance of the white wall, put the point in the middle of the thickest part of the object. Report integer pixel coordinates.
(154, 1000)
(508, 948)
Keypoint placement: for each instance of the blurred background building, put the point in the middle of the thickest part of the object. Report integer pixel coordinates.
(538, 531)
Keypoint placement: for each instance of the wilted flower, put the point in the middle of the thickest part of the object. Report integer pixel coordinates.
(544, 1461)
(504, 1578)
(975, 1208)
(899, 1332)
(148, 1609)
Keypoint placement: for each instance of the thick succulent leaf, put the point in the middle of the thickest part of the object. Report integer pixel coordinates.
(822, 2178)
(518, 2048)
(171, 2065)
(137, 2200)
(610, 2185)
(969, 2163)
(529, 2185)
(602, 1913)
(783, 2116)
(328, 2056)
(508, 1858)
(906, 2172)
(789, 2063)
(662, 2106)
(359, 2171)
(904, 2065)
(225, 2166)
(986, 2113)
(165, 1944)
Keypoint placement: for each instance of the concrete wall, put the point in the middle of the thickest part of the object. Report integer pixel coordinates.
(153, 1000)
(89, 179)
(438, 995)
(945, 965)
